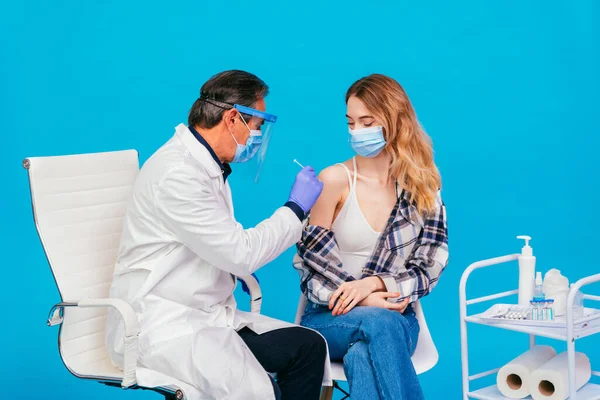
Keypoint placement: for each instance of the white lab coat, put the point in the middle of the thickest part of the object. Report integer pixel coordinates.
(180, 249)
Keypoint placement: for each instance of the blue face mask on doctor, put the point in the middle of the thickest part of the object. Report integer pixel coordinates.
(247, 151)
(367, 142)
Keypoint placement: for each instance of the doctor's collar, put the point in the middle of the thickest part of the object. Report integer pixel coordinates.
(225, 168)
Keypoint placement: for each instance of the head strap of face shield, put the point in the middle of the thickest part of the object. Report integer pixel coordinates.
(205, 97)
(240, 108)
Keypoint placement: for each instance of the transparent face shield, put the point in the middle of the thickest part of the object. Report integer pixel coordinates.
(260, 125)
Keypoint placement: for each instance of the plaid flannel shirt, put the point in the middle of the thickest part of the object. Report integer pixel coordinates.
(410, 255)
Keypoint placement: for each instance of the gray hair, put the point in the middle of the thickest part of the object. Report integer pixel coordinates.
(221, 92)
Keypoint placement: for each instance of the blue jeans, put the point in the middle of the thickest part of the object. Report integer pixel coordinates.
(375, 345)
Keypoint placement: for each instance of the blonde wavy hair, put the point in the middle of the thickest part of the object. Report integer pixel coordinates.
(408, 145)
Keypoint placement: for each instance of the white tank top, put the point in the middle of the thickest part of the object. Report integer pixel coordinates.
(355, 237)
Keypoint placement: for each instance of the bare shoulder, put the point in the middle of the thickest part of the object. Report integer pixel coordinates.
(334, 176)
(335, 189)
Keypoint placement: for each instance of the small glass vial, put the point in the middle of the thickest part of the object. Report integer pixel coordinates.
(535, 315)
(550, 310)
(544, 306)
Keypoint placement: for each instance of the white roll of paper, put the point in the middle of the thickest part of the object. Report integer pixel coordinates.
(514, 378)
(551, 380)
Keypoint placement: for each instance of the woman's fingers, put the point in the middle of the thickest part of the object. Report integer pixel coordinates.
(335, 295)
(351, 295)
(338, 300)
(352, 305)
(345, 299)
(385, 295)
(398, 306)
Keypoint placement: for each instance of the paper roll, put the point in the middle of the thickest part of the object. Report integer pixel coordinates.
(514, 378)
(551, 380)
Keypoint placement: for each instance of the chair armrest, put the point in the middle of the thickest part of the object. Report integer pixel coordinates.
(129, 316)
(255, 292)
(132, 330)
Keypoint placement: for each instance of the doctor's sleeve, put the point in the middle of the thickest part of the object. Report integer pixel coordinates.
(195, 213)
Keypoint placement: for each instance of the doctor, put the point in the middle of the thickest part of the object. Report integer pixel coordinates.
(181, 249)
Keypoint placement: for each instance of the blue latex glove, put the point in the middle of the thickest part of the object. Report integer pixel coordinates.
(245, 287)
(306, 189)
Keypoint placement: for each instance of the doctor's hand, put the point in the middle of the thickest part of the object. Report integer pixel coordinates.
(306, 189)
(349, 294)
(379, 299)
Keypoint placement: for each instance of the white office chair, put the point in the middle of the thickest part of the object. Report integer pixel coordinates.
(79, 202)
(424, 358)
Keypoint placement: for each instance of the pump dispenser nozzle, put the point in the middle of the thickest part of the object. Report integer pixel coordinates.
(526, 250)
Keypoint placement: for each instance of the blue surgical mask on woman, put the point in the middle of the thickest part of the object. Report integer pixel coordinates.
(367, 142)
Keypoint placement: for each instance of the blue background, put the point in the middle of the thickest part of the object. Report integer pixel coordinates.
(509, 92)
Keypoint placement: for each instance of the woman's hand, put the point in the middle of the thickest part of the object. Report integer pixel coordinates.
(379, 299)
(349, 294)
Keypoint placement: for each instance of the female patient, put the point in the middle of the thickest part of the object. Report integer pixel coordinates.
(376, 242)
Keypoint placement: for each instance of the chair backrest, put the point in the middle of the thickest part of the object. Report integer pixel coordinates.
(425, 356)
(79, 202)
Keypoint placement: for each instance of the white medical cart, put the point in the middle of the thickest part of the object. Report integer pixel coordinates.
(569, 334)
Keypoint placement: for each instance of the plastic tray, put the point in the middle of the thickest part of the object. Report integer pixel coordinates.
(558, 322)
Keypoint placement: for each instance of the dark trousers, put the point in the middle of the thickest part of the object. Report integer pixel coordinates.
(296, 354)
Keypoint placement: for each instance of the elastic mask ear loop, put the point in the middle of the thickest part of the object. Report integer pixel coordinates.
(232, 135)
(242, 118)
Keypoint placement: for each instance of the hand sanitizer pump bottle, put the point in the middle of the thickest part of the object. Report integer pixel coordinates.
(526, 273)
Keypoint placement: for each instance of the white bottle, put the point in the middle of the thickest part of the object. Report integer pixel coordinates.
(526, 273)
